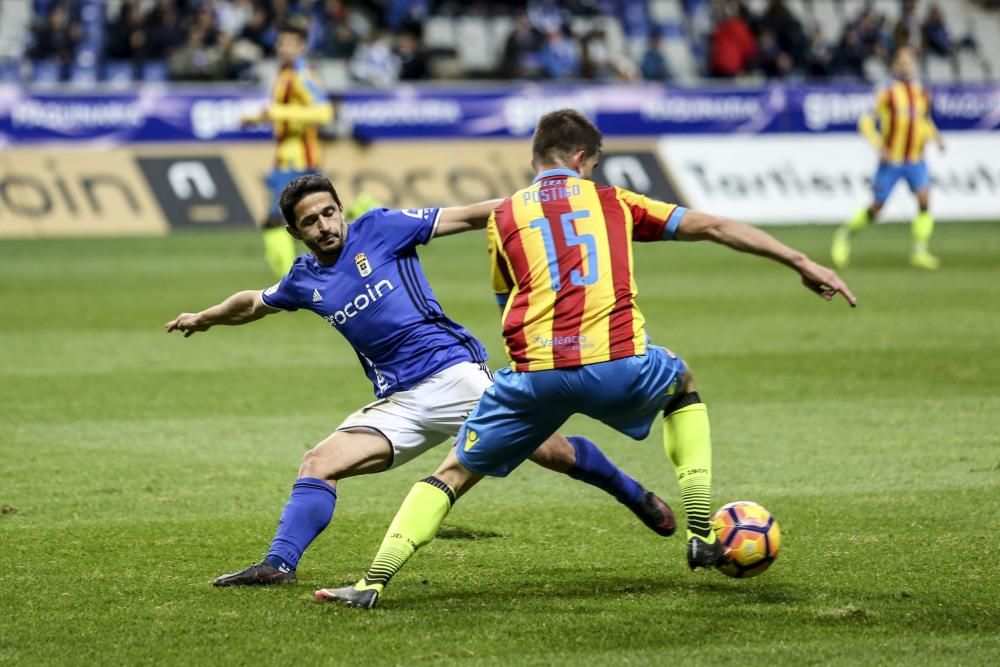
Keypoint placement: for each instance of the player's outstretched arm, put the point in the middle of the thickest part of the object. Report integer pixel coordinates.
(240, 308)
(698, 226)
(456, 219)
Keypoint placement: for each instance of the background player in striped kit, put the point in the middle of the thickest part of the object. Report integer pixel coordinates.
(562, 265)
(298, 107)
(899, 130)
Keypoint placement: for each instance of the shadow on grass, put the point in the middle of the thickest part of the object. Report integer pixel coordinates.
(460, 533)
(566, 585)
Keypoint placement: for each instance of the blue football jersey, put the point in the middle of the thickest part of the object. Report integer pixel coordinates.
(377, 297)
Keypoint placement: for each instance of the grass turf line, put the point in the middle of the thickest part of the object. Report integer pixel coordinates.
(137, 466)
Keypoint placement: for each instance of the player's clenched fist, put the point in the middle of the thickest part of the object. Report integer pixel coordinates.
(189, 323)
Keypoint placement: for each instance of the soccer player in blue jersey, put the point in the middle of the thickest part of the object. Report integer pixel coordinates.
(429, 372)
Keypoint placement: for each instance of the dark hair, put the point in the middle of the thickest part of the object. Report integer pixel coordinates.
(297, 26)
(562, 133)
(301, 187)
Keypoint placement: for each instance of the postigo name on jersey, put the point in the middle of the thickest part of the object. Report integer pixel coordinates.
(574, 342)
(551, 194)
(359, 303)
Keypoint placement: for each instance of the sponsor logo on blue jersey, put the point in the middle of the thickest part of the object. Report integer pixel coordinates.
(359, 303)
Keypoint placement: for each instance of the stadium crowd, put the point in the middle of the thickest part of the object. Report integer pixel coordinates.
(382, 41)
(778, 44)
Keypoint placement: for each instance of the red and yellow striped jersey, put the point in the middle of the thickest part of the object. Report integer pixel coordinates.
(561, 257)
(297, 111)
(902, 112)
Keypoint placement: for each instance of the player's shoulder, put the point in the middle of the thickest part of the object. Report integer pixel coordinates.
(373, 217)
(367, 223)
(622, 194)
(304, 69)
(383, 220)
(300, 267)
(307, 77)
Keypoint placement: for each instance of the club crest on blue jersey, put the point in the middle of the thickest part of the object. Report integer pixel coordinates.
(361, 261)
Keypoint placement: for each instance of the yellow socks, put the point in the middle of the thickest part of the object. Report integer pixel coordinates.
(858, 221)
(416, 524)
(840, 251)
(687, 440)
(923, 227)
(279, 250)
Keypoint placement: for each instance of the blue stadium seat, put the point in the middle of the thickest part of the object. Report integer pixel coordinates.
(45, 72)
(83, 76)
(155, 70)
(9, 70)
(118, 72)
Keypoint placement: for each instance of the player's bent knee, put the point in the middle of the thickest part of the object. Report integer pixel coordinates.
(681, 400)
(345, 454)
(318, 463)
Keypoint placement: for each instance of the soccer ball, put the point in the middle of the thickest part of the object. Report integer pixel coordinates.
(751, 536)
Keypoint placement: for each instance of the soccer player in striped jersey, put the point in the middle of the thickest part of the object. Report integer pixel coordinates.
(428, 371)
(898, 130)
(561, 256)
(298, 107)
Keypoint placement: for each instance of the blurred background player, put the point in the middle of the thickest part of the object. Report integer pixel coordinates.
(298, 108)
(899, 129)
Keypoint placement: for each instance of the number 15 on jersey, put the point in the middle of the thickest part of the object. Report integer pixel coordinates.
(572, 239)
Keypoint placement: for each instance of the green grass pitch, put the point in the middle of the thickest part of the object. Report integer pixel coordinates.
(136, 466)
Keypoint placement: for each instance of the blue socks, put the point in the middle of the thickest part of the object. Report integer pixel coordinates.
(307, 513)
(593, 467)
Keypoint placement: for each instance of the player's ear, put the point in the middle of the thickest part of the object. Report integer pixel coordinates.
(293, 232)
(576, 160)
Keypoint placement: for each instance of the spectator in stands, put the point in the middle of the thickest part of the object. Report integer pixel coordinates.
(872, 32)
(412, 57)
(520, 53)
(653, 64)
(851, 53)
(600, 63)
(935, 33)
(748, 17)
(907, 30)
(232, 16)
(402, 15)
(559, 57)
(773, 61)
(126, 36)
(198, 59)
(548, 16)
(56, 38)
(341, 39)
(732, 48)
(164, 31)
(787, 33)
(820, 60)
(204, 21)
(374, 63)
(260, 31)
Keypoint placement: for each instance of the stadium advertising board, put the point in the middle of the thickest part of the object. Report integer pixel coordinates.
(797, 178)
(47, 192)
(150, 189)
(157, 114)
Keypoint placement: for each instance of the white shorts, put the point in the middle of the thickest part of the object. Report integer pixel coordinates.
(415, 420)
